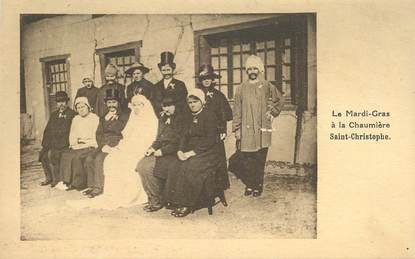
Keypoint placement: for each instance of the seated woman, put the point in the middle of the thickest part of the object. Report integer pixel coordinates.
(82, 141)
(192, 186)
(122, 186)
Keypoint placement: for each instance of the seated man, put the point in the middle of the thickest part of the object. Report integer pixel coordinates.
(161, 156)
(108, 135)
(56, 139)
(82, 140)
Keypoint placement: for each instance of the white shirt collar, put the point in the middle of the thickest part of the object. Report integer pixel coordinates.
(167, 82)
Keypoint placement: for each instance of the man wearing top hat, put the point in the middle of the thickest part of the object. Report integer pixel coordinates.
(169, 85)
(111, 73)
(108, 135)
(56, 139)
(139, 84)
(89, 91)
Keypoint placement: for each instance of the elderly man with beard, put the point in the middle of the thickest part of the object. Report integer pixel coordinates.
(108, 135)
(169, 85)
(257, 102)
(56, 139)
(111, 73)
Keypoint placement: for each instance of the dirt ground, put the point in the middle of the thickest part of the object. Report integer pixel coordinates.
(287, 209)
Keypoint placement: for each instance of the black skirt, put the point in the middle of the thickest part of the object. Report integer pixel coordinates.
(193, 184)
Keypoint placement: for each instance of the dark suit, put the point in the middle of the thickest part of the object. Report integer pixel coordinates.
(101, 107)
(108, 133)
(154, 170)
(176, 88)
(143, 87)
(55, 141)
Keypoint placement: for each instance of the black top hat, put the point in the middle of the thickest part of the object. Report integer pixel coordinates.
(137, 65)
(61, 96)
(112, 94)
(169, 100)
(167, 57)
(207, 71)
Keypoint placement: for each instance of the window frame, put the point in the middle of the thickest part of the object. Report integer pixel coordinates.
(44, 61)
(293, 24)
(104, 52)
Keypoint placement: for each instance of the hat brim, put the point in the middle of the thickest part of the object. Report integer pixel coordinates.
(145, 70)
(212, 76)
(62, 99)
(172, 64)
(111, 98)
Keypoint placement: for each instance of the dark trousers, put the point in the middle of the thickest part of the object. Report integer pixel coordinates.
(94, 166)
(72, 171)
(255, 162)
(50, 160)
(152, 185)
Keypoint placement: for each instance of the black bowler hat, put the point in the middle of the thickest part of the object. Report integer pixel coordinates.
(112, 94)
(207, 71)
(169, 100)
(166, 57)
(61, 96)
(139, 66)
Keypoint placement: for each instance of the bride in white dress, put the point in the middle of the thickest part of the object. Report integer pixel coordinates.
(122, 187)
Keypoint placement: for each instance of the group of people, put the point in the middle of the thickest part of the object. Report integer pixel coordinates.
(161, 145)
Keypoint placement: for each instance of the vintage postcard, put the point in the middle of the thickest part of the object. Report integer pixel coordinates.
(208, 130)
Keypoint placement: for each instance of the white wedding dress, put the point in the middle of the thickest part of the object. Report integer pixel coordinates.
(123, 187)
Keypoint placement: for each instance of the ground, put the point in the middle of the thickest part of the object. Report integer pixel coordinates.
(287, 209)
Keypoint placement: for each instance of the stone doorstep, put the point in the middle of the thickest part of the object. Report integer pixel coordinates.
(289, 169)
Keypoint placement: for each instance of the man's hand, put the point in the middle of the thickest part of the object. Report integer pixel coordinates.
(181, 155)
(158, 153)
(149, 152)
(268, 115)
(189, 154)
(222, 136)
(107, 149)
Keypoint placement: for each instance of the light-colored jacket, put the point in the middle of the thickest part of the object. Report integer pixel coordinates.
(83, 131)
(251, 103)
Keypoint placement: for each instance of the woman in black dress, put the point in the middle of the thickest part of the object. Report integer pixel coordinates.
(193, 184)
(217, 103)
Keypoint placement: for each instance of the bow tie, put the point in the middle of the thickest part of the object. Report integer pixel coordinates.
(61, 115)
(209, 94)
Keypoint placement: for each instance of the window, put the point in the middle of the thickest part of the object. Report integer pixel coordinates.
(123, 56)
(55, 78)
(280, 44)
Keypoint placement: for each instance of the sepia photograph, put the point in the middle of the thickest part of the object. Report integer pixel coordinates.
(168, 126)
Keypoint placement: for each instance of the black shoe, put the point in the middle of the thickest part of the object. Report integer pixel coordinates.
(257, 193)
(70, 188)
(182, 212)
(248, 191)
(46, 182)
(153, 208)
(93, 194)
(87, 192)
